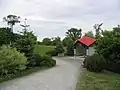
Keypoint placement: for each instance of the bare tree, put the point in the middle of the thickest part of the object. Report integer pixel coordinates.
(98, 29)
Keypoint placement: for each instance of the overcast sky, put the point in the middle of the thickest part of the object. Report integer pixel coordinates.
(53, 17)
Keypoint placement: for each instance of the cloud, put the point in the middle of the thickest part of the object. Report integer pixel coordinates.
(53, 17)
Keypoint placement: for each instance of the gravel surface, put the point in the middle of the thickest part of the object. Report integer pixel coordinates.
(61, 77)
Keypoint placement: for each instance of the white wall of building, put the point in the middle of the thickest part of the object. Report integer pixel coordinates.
(90, 51)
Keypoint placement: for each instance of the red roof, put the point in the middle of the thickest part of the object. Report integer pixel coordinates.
(86, 40)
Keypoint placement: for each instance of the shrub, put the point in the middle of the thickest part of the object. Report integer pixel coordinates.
(44, 61)
(52, 53)
(47, 61)
(38, 59)
(94, 63)
(11, 61)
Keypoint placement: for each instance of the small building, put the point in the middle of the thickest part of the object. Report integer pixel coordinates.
(84, 46)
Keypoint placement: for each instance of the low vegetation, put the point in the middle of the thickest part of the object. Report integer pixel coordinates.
(43, 49)
(98, 81)
(94, 63)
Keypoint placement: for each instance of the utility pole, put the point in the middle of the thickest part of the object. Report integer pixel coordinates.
(25, 26)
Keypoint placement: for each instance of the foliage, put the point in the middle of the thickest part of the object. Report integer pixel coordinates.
(74, 34)
(89, 33)
(44, 61)
(52, 53)
(38, 59)
(39, 43)
(109, 45)
(70, 49)
(94, 63)
(25, 44)
(46, 41)
(11, 20)
(55, 41)
(98, 81)
(6, 36)
(66, 41)
(11, 60)
(47, 61)
(59, 48)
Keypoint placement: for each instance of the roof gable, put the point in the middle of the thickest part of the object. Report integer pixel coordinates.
(86, 40)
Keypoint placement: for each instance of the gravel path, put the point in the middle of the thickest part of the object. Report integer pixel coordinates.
(61, 77)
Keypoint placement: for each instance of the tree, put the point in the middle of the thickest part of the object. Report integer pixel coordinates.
(6, 36)
(89, 33)
(74, 33)
(66, 41)
(11, 20)
(97, 28)
(59, 48)
(70, 49)
(46, 41)
(56, 40)
(109, 45)
(25, 44)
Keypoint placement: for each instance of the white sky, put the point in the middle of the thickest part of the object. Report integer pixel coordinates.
(49, 18)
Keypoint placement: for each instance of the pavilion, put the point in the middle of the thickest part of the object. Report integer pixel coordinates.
(84, 46)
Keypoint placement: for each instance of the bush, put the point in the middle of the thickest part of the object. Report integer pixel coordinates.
(38, 59)
(94, 63)
(11, 61)
(52, 53)
(47, 61)
(44, 61)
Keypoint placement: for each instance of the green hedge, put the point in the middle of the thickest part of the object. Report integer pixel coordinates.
(44, 61)
(94, 63)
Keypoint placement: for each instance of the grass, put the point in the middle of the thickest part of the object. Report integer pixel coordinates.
(42, 49)
(98, 81)
(20, 74)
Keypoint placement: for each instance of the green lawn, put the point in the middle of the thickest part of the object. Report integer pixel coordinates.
(98, 81)
(42, 49)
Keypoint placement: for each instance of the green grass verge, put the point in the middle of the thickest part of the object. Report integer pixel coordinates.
(42, 49)
(20, 74)
(98, 81)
